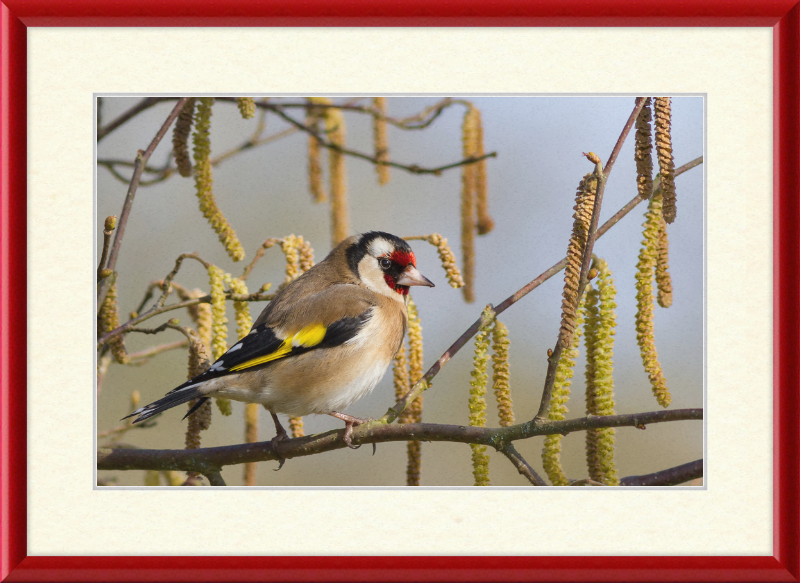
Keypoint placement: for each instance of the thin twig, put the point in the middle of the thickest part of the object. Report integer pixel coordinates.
(668, 477)
(215, 479)
(412, 168)
(149, 353)
(522, 466)
(168, 170)
(555, 354)
(640, 101)
(141, 160)
(212, 459)
(591, 237)
(253, 142)
(145, 103)
(155, 311)
(106, 244)
(415, 122)
(121, 429)
(267, 244)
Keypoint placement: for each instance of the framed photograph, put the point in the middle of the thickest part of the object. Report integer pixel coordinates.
(66, 519)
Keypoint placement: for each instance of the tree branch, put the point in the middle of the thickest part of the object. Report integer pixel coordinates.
(141, 161)
(591, 237)
(215, 479)
(212, 459)
(668, 477)
(144, 104)
(160, 308)
(155, 311)
(424, 382)
(522, 466)
(413, 168)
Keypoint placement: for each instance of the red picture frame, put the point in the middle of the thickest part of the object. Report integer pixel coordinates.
(17, 15)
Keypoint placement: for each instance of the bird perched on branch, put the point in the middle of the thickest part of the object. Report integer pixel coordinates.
(322, 343)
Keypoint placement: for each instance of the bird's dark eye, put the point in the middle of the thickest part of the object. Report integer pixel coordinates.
(385, 263)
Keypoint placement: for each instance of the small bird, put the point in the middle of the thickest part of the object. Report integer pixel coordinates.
(322, 343)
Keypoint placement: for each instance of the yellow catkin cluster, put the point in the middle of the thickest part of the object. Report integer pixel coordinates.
(584, 205)
(663, 114)
(203, 318)
(469, 136)
(477, 401)
(180, 138)
(247, 106)
(600, 328)
(315, 184)
(642, 151)
(379, 134)
(306, 252)
(244, 322)
(296, 426)
(484, 222)
(663, 278)
(242, 309)
(299, 259)
(335, 130)
(219, 323)
(413, 413)
(415, 354)
(289, 246)
(109, 320)
(645, 329)
(199, 313)
(400, 374)
(200, 420)
(551, 452)
(250, 436)
(204, 180)
(219, 320)
(199, 359)
(500, 376)
(448, 260)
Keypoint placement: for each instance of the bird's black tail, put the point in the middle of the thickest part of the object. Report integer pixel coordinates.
(172, 399)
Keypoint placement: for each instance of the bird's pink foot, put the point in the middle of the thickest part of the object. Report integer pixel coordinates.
(351, 422)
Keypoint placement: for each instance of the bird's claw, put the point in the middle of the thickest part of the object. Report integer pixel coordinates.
(281, 436)
(349, 423)
(348, 434)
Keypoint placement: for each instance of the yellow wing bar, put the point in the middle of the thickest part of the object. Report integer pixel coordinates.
(309, 336)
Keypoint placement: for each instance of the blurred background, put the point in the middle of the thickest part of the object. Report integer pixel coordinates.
(264, 192)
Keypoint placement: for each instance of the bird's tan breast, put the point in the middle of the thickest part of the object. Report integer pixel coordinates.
(330, 379)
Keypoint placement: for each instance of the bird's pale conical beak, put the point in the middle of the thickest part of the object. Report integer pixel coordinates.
(413, 277)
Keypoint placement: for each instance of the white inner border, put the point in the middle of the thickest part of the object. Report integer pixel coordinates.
(732, 66)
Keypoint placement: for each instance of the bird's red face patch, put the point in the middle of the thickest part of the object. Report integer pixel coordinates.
(390, 281)
(403, 258)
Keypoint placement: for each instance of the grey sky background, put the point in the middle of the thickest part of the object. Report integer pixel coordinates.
(263, 192)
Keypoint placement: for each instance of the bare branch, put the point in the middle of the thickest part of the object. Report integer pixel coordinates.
(668, 477)
(155, 311)
(422, 385)
(141, 161)
(144, 104)
(591, 237)
(522, 466)
(413, 168)
(215, 479)
(214, 458)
